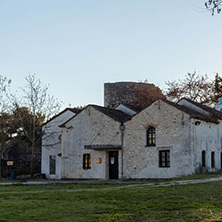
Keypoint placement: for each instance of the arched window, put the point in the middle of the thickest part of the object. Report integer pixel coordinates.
(203, 158)
(212, 159)
(151, 136)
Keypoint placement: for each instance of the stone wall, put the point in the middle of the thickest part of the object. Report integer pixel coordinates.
(173, 132)
(90, 127)
(134, 93)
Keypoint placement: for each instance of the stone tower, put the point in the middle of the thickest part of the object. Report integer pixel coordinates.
(131, 93)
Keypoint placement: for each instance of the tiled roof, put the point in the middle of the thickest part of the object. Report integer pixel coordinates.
(123, 117)
(67, 109)
(74, 110)
(213, 112)
(112, 113)
(134, 108)
(194, 114)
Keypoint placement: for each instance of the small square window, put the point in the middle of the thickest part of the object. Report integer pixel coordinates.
(164, 158)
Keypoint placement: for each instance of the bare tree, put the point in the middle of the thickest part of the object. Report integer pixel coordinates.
(214, 6)
(41, 107)
(195, 87)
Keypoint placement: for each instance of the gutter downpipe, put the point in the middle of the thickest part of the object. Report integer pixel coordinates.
(122, 128)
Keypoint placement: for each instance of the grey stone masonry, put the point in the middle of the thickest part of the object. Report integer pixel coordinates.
(134, 93)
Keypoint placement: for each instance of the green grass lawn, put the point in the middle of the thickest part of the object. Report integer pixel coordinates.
(107, 201)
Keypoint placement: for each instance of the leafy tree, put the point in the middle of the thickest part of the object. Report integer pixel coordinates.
(213, 6)
(79, 108)
(218, 87)
(198, 88)
(36, 106)
(23, 124)
(4, 117)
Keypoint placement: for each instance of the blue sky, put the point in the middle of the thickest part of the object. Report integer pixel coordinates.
(78, 45)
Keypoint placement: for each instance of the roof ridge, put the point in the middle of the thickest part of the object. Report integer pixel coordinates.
(55, 116)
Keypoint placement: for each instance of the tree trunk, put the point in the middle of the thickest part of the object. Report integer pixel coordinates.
(33, 144)
(1, 166)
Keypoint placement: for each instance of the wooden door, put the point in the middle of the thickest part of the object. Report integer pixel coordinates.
(113, 165)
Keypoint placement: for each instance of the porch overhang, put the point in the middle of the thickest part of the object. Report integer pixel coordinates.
(103, 147)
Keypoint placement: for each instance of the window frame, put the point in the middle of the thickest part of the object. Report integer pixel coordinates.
(151, 136)
(87, 161)
(213, 159)
(164, 158)
(52, 164)
(203, 157)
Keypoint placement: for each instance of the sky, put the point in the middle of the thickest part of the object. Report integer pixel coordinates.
(78, 45)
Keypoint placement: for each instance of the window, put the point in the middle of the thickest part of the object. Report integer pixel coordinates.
(212, 159)
(86, 161)
(203, 158)
(151, 137)
(52, 164)
(164, 158)
(221, 160)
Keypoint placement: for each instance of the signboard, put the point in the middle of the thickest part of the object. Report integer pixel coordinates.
(112, 160)
(10, 163)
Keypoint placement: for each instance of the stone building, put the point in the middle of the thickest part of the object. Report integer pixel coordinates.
(162, 140)
(51, 162)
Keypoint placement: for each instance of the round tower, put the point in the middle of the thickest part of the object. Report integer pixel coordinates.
(131, 93)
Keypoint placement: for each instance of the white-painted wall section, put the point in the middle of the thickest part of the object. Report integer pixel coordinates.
(207, 137)
(51, 144)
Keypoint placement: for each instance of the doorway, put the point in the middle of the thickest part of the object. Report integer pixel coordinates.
(113, 164)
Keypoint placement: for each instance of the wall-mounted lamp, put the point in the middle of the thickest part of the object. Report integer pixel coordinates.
(122, 127)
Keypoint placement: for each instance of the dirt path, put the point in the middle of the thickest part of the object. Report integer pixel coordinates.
(194, 181)
(121, 186)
